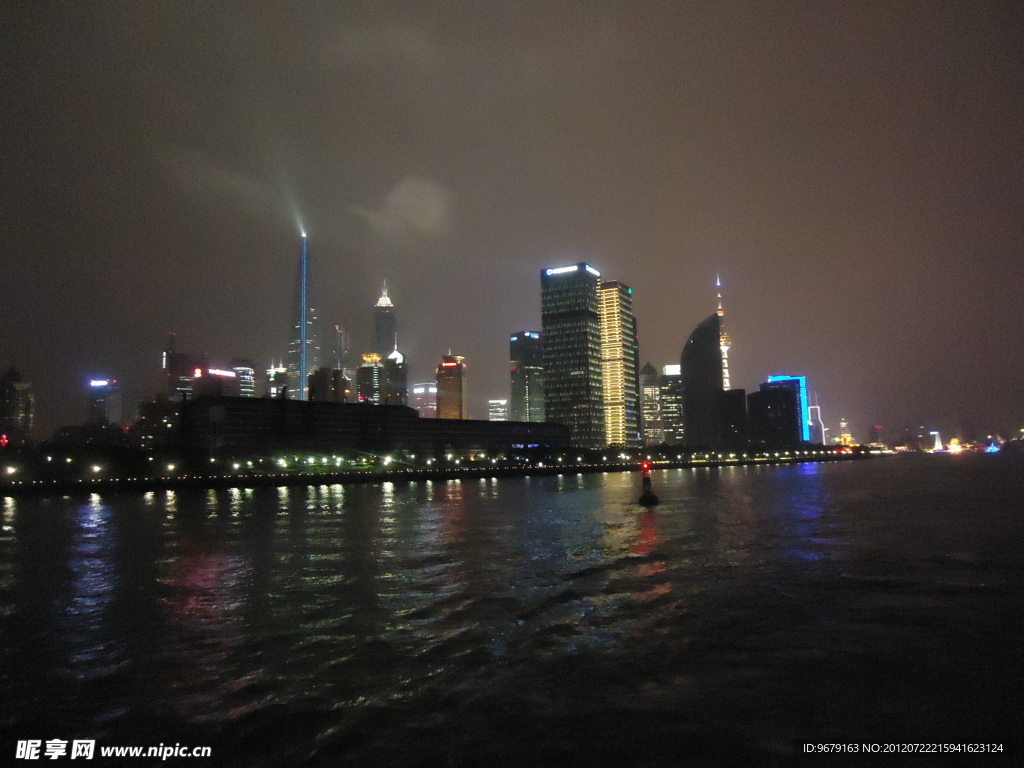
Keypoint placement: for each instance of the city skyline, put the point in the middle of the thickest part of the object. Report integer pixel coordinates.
(480, 401)
(853, 174)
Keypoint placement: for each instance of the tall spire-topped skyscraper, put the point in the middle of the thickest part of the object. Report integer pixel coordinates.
(385, 325)
(303, 349)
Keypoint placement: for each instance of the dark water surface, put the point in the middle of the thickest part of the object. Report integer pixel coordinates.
(543, 621)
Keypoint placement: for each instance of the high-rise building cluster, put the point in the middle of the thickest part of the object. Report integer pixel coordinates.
(593, 382)
(382, 378)
(581, 369)
(694, 404)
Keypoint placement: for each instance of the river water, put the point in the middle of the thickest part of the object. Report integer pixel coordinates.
(526, 621)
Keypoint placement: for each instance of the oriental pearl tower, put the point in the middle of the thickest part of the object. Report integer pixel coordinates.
(724, 342)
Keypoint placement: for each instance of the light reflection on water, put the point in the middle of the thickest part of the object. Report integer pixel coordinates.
(216, 609)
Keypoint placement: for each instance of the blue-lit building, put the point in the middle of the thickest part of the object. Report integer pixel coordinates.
(799, 385)
(571, 334)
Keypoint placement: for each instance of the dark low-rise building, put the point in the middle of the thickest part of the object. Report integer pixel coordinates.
(265, 426)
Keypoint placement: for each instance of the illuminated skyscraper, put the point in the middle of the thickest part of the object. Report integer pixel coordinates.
(672, 404)
(799, 385)
(845, 438)
(104, 402)
(571, 332)
(650, 399)
(246, 373)
(424, 399)
(497, 410)
(619, 364)
(385, 325)
(451, 388)
(277, 380)
(303, 350)
(526, 355)
(216, 382)
(370, 380)
(396, 384)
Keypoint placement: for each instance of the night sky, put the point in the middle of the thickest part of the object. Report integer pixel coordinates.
(854, 171)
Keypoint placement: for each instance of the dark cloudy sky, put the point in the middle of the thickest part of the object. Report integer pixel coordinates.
(854, 170)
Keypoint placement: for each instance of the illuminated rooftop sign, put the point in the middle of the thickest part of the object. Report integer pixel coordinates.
(98, 383)
(573, 268)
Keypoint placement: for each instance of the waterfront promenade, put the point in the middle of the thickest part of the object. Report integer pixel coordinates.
(229, 473)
